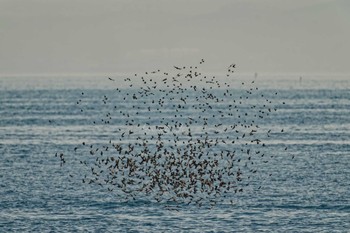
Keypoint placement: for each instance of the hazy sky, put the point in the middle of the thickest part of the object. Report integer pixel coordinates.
(105, 36)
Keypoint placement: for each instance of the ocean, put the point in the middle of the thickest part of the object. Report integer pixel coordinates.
(304, 187)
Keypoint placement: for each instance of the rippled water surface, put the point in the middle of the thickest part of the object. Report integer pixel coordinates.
(39, 117)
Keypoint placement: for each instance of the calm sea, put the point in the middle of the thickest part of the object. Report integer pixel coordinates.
(39, 117)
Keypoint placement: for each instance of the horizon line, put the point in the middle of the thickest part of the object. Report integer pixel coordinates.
(106, 74)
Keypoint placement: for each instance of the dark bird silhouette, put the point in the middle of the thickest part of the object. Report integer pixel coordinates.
(178, 137)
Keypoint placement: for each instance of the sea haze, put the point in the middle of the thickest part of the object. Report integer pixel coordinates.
(308, 189)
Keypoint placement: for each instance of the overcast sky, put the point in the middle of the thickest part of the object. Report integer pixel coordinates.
(105, 36)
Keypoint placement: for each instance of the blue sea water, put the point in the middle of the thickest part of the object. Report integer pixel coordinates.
(39, 117)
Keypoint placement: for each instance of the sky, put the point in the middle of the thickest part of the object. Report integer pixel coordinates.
(105, 36)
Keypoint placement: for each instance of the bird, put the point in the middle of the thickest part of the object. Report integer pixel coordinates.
(180, 137)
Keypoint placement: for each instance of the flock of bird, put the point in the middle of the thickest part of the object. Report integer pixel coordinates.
(181, 137)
